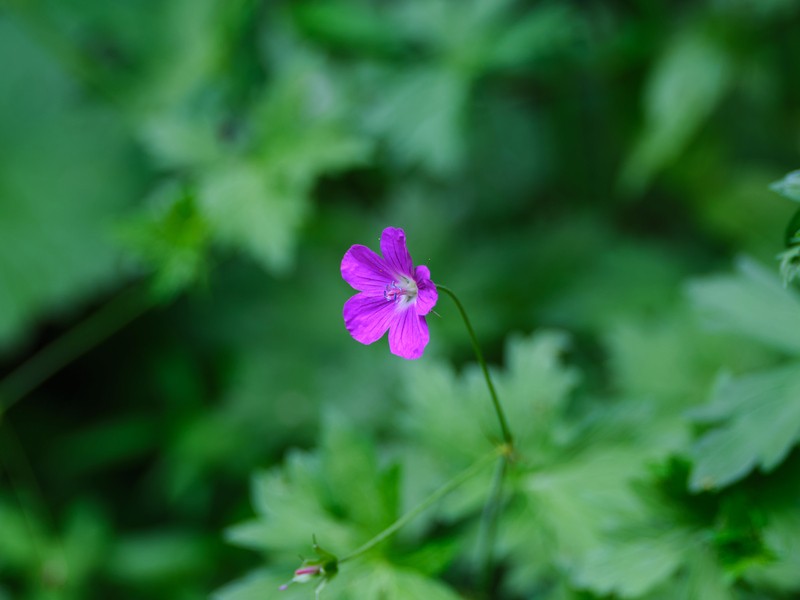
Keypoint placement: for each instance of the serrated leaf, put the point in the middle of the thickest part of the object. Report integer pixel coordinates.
(291, 507)
(388, 583)
(258, 202)
(752, 303)
(339, 495)
(453, 419)
(420, 112)
(630, 568)
(366, 493)
(247, 210)
(700, 577)
(564, 511)
(455, 414)
(761, 426)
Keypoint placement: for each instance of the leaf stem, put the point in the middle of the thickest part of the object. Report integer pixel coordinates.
(442, 491)
(488, 526)
(77, 341)
(507, 438)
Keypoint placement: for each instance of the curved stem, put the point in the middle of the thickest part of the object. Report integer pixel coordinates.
(507, 438)
(445, 489)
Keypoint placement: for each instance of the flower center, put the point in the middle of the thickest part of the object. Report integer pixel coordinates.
(403, 290)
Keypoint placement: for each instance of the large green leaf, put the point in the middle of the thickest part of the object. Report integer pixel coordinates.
(341, 497)
(753, 303)
(65, 178)
(631, 567)
(759, 423)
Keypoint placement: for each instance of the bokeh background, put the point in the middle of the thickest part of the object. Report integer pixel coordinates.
(179, 180)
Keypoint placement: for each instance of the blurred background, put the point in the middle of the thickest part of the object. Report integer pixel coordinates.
(179, 180)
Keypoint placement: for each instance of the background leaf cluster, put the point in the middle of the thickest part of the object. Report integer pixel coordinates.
(178, 182)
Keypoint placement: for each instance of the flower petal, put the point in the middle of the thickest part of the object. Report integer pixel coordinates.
(367, 317)
(408, 335)
(365, 270)
(393, 248)
(426, 294)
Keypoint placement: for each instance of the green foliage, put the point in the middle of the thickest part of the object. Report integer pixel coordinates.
(67, 179)
(568, 169)
(789, 186)
(755, 422)
(686, 85)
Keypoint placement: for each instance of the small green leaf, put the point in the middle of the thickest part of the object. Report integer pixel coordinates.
(247, 209)
(789, 186)
(690, 79)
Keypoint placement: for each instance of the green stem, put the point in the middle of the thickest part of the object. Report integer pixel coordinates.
(507, 438)
(55, 356)
(445, 489)
(488, 528)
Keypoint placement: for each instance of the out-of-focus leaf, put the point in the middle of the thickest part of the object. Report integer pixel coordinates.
(361, 579)
(752, 303)
(65, 178)
(543, 31)
(782, 538)
(688, 82)
(322, 495)
(645, 353)
(421, 113)
(341, 497)
(349, 25)
(383, 581)
(158, 556)
(701, 577)
(567, 508)
(84, 544)
(452, 417)
(171, 238)
(789, 186)
(22, 537)
(246, 210)
(760, 422)
(632, 567)
(258, 203)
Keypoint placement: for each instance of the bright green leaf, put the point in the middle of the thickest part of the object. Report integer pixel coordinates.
(753, 303)
(759, 427)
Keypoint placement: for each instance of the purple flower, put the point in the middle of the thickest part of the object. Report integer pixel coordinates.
(394, 295)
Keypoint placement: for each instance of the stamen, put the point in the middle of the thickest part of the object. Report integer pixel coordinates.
(405, 289)
(392, 292)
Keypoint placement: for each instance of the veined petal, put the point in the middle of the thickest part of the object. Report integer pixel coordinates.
(393, 248)
(367, 318)
(365, 270)
(408, 335)
(427, 295)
